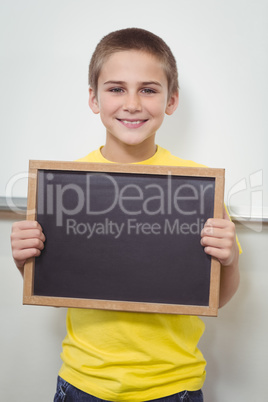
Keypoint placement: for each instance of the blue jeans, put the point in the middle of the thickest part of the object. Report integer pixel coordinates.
(67, 393)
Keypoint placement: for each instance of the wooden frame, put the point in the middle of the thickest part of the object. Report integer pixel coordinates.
(148, 239)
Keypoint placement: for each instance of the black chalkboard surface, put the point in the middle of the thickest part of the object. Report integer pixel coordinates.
(124, 237)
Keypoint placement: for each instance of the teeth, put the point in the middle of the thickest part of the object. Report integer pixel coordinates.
(132, 122)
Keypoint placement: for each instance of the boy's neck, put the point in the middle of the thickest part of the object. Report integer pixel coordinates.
(124, 153)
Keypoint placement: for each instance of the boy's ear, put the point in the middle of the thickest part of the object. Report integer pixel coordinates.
(172, 103)
(93, 102)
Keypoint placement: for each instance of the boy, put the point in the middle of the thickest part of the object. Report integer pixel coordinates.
(120, 356)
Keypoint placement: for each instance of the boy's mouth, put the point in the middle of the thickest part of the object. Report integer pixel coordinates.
(132, 123)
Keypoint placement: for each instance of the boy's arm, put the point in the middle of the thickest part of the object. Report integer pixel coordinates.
(27, 240)
(218, 238)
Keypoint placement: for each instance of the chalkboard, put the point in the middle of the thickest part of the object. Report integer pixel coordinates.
(123, 237)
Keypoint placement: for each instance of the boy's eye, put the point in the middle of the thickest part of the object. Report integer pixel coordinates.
(116, 90)
(148, 91)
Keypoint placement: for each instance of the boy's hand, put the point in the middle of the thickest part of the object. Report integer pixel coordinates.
(218, 238)
(27, 240)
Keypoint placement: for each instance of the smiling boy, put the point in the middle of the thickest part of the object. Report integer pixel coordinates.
(132, 99)
(121, 356)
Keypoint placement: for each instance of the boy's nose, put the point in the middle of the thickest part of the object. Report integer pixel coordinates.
(132, 103)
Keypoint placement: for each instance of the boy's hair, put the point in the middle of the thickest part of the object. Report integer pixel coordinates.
(133, 39)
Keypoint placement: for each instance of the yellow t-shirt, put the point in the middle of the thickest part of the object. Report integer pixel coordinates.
(122, 356)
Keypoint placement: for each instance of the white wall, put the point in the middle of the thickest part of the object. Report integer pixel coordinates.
(221, 49)
(30, 338)
(235, 343)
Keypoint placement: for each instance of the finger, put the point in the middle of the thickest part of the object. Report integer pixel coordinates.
(25, 225)
(222, 224)
(219, 223)
(28, 234)
(220, 253)
(21, 256)
(22, 244)
(221, 243)
(220, 233)
(211, 231)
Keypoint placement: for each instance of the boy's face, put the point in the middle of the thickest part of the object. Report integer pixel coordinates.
(132, 98)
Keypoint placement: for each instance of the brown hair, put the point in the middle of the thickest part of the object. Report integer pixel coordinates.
(133, 39)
